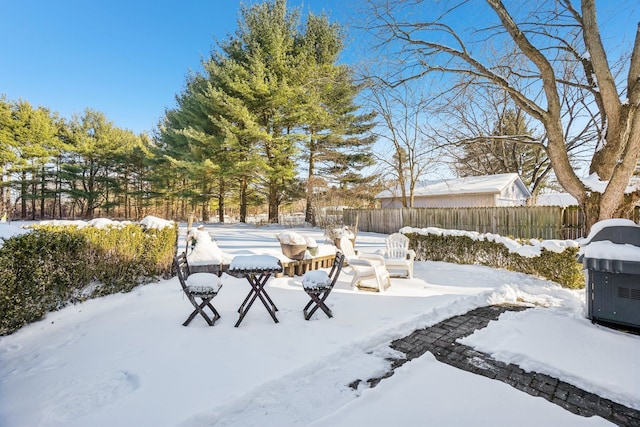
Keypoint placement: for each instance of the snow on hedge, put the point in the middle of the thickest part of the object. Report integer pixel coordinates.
(344, 231)
(148, 222)
(530, 250)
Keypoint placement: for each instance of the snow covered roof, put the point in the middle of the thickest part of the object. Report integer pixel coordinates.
(556, 199)
(491, 184)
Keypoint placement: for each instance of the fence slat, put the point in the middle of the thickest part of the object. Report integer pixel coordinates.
(540, 222)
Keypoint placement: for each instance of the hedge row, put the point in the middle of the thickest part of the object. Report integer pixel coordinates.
(53, 266)
(560, 267)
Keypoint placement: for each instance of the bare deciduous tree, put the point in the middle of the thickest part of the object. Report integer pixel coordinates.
(549, 38)
(402, 131)
(485, 133)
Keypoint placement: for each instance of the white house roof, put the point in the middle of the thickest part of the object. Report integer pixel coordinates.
(556, 199)
(485, 184)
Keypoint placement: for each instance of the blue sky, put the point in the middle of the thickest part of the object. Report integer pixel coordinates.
(125, 58)
(129, 58)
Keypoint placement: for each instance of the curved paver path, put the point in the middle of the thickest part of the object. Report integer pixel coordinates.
(441, 338)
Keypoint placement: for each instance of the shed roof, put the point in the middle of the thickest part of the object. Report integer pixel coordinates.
(485, 184)
(556, 199)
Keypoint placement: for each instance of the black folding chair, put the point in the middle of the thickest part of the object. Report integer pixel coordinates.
(318, 285)
(198, 286)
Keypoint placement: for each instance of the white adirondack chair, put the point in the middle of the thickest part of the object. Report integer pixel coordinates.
(398, 258)
(365, 266)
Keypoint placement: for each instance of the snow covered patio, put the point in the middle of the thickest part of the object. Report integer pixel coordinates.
(126, 359)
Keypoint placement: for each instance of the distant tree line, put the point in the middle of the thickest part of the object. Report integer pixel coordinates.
(270, 99)
(56, 168)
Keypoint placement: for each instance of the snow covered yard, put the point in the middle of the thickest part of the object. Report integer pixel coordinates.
(126, 359)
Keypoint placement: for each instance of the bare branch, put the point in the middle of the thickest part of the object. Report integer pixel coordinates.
(598, 59)
(633, 79)
(546, 70)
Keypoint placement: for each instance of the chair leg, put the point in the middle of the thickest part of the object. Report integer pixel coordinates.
(381, 286)
(306, 307)
(216, 315)
(318, 302)
(355, 280)
(199, 309)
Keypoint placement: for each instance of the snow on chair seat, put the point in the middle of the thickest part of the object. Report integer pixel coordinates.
(318, 284)
(316, 280)
(198, 286)
(203, 284)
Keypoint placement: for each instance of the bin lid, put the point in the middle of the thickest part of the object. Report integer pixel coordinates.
(621, 231)
(612, 245)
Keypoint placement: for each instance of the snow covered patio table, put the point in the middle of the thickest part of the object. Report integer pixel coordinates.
(257, 269)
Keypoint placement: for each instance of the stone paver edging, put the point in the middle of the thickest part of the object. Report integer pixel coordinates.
(441, 338)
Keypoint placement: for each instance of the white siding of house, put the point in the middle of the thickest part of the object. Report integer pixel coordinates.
(510, 197)
(453, 201)
(459, 194)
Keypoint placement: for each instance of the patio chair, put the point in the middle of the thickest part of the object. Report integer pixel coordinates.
(318, 284)
(398, 258)
(200, 289)
(365, 266)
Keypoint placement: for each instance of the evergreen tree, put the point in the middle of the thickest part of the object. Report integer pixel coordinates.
(263, 49)
(8, 150)
(266, 88)
(87, 173)
(337, 141)
(36, 138)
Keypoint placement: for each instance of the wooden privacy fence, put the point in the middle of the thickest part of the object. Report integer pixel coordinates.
(540, 222)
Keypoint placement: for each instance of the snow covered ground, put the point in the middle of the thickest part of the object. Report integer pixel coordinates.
(126, 359)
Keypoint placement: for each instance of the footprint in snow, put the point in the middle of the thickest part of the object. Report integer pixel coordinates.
(80, 396)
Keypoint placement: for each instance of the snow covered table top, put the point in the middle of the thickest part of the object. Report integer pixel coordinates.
(254, 264)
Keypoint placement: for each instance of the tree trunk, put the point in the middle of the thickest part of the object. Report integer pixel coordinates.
(221, 191)
(273, 202)
(309, 214)
(42, 192)
(23, 196)
(243, 200)
(221, 208)
(34, 195)
(206, 210)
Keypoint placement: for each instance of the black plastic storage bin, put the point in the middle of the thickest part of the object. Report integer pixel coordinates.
(613, 284)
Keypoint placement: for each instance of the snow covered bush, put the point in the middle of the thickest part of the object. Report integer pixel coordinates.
(551, 259)
(39, 272)
(55, 265)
